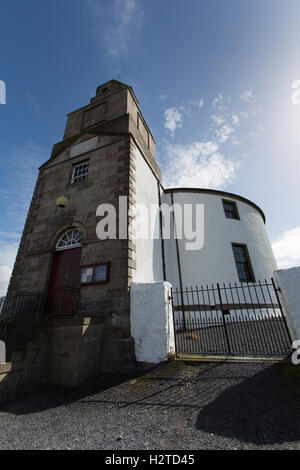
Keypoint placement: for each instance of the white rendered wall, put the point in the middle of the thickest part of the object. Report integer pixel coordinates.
(289, 283)
(215, 261)
(148, 249)
(151, 321)
(2, 352)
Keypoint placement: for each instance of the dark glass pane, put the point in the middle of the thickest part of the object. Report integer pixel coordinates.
(230, 210)
(80, 172)
(242, 263)
(100, 273)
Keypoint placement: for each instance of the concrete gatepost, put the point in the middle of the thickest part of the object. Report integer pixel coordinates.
(152, 322)
(2, 352)
(289, 282)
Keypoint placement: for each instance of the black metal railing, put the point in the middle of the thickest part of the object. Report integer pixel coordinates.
(20, 316)
(235, 319)
(23, 314)
(63, 301)
(2, 299)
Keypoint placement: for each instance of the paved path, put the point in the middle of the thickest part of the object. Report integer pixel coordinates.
(175, 406)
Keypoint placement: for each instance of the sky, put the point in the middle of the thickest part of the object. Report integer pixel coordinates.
(218, 83)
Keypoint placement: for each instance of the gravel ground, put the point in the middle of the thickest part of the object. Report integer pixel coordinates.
(176, 406)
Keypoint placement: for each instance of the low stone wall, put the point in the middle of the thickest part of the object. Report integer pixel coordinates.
(66, 353)
(25, 370)
(75, 352)
(118, 356)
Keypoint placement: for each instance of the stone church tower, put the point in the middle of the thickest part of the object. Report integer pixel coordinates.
(107, 156)
(60, 252)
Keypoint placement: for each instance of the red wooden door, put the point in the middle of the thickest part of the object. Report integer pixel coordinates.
(64, 281)
(66, 269)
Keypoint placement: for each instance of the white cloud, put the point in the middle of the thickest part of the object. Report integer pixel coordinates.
(200, 103)
(287, 248)
(203, 163)
(247, 95)
(254, 134)
(8, 253)
(116, 24)
(236, 142)
(235, 120)
(256, 110)
(244, 114)
(173, 119)
(218, 100)
(163, 97)
(198, 165)
(223, 133)
(218, 120)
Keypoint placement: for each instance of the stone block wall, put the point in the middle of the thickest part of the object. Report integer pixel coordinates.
(107, 133)
(25, 369)
(75, 351)
(67, 353)
(109, 178)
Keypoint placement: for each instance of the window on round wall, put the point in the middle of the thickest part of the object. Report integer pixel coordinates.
(230, 209)
(70, 239)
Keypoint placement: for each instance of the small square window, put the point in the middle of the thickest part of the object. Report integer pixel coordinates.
(231, 210)
(95, 274)
(80, 172)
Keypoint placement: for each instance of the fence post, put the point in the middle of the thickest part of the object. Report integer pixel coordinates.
(2, 352)
(281, 309)
(173, 318)
(224, 323)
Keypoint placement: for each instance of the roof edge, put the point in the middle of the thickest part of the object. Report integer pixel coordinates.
(217, 192)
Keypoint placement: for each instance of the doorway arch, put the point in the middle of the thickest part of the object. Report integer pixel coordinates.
(69, 239)
(64, 283)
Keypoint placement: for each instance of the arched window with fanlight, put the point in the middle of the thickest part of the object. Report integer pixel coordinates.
(70, 239)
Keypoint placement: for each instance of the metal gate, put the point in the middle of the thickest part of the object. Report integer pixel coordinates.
(236, 319)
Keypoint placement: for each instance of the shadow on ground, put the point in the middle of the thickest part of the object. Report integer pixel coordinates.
(251, 402)
(263, 408)
(46, 397)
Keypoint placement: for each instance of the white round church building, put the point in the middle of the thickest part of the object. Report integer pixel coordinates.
(232, 244)
(230, 239)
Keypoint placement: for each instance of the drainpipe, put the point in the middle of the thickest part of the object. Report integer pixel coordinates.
(178, 261)
(161, 234)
